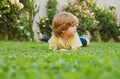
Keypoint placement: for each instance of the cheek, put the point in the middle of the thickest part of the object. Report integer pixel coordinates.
(72, 32)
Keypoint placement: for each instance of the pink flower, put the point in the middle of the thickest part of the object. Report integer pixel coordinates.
(21, 5)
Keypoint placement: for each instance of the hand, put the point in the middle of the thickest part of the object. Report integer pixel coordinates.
(63, 49)
(74, 48)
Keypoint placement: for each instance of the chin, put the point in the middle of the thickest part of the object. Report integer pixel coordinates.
(72, 34)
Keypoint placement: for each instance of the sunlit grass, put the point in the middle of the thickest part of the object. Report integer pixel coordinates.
(33, 60)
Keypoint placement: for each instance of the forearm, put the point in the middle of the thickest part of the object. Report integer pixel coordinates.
(75, 48)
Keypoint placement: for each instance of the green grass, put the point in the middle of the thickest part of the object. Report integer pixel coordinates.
(32, 60)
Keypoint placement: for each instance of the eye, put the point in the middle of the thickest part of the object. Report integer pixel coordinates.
(73, 26)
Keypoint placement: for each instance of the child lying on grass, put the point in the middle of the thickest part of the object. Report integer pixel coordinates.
(64, 33)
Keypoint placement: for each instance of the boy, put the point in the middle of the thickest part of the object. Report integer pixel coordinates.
(64, 33)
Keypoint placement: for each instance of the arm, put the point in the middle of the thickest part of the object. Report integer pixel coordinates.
(75, 43)
(75, 48)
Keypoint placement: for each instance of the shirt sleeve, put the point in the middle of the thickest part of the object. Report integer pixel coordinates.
(75, 43)
(52, 43)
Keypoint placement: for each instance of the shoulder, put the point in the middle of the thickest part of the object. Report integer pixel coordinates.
(53, 38)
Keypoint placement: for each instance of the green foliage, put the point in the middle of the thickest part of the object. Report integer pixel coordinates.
(31, 60)
(14, 20)
(26, 17)
(86, 16)
(93, 18)
(107, 22)
(8, 20)
(45, 23)
(16, 23)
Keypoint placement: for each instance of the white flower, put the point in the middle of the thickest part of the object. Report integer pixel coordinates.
(44, 25)
(118, 24)
(47, 18)
(12, 2)
(28, 33)
(119, 36)
(87, 11)
(21, 27)
(113, 10)
(77, 13)
(101, 8)
(83, 2)
(43, 21)
(49, 9)
(92, 15)
(95, 22)
(30, 39)
(20, 5)
(0, 15)
(76, 6)
(7, 6)
(18, 21)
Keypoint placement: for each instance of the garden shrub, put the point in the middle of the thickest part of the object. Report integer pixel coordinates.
(87, 20)
(13, 24)
(45, 23)
(26, 17)
(9, 19)
(93, 18)
(108, 25)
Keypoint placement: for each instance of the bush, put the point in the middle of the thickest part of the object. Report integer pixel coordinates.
(26, 17)
(9, 19)
(108, 23)
(93, 18)
(13, 24)
(86, 16)
(45, 23)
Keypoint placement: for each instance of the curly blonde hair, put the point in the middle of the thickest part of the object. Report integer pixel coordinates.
(63, 21)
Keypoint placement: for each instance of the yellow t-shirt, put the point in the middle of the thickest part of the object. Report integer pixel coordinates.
(56, 43)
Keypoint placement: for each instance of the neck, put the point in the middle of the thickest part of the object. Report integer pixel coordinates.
(65, 37)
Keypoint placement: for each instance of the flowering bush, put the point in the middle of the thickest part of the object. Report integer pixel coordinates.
(86, 16)
(100, 22)
(19, 4)
(108, 25)
(45, 25)
(93, 18)
(46, 22)
(11, 21)
(26, 18)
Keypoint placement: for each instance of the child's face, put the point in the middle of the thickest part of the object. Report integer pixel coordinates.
(70, 31)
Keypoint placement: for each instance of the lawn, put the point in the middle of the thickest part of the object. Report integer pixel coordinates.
(33, 60)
